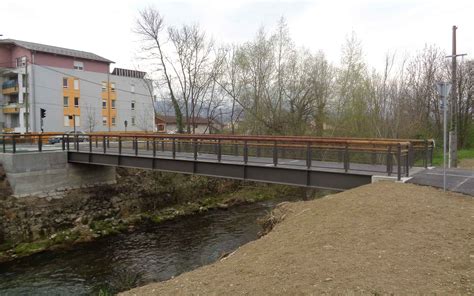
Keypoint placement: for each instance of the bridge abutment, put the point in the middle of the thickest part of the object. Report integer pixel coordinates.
(49, 171)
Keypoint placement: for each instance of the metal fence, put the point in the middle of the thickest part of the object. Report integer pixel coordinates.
(382, 156)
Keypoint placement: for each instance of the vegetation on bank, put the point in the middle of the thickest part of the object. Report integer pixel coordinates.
(462, 154)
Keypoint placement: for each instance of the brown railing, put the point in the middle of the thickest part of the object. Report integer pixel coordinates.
(388, 156)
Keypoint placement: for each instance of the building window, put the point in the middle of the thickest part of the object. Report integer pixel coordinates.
(76, 102)
(66, 120)
(78, 65)
(113, 120)
(112, 86)
(104, 104)
(65, 83)
(104, 86)
(21, 62)
(104, 120)
(132, 88)
(133, 120)
(76, 84)
(66, 101)
(133, 105)
(113, 104)
(77, 118)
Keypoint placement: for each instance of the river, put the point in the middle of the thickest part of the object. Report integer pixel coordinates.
(153, 252)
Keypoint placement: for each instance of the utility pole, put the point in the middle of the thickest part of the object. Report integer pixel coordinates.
(453, 133)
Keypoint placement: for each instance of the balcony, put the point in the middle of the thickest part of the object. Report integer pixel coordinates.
(11, 109)
(10, 87)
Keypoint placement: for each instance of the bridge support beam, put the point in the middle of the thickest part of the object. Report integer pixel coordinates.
(325, 179)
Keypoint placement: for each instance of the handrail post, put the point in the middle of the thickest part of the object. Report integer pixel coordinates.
(120, 145)
(308, 155)
(411, 154)
(63, 144)
(90, 143)
(246, 152)
(147, 144)
(77, 142)
(136, 145)
(219, 150)
(67, 142)
(162, 145)
(195, 150)
(426, 154)
(346, 158)
(104, 144)
(407, 165)
(389, 160)
(399, 162)
(174, 147)
(154, 147)
(4, 146)
(108, 142)
(96, 141)
(13, 144)
(40, 143)
(275, 154)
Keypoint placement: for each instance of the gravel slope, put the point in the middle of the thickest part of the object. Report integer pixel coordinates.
(380, 238)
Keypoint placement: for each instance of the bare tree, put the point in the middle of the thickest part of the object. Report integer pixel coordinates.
(150, 26)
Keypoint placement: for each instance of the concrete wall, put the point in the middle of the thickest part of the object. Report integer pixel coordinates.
(40, 173)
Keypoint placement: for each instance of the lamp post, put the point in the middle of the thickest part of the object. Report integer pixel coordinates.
(443, 91)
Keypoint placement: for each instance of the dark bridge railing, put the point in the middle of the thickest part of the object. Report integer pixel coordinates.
(381, 156)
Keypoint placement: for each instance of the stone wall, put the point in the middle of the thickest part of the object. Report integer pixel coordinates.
(137, 191)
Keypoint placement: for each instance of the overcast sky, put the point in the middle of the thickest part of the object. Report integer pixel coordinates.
(105, 27)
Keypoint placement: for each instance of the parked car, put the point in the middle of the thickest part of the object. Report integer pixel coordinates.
(81, 137)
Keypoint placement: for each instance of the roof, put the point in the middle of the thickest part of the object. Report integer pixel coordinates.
(56, 50)
(128, 73)
(172, 119)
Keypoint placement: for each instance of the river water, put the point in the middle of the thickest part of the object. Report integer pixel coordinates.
(151, 253)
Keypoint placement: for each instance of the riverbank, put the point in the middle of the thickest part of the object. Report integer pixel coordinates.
(381, 238)
(139, 197)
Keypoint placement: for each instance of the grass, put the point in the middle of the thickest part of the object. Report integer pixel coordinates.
(462, 154)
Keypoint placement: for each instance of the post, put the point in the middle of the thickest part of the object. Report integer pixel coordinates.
(219, 150)
(275, 154)
(135, 139)
(63, 144)
(407, 163)
(14, 144)
(67, 142)
(425, 160)
(174, 148)
(77, 142)
(399, 162)
(4, 146)
(246, 152)
(162, 145)
(445, 127)
(195, 150)
(454, 112)
(120, 145)
(346, 158)
(308, 155)
(389, 160)
(90, 143)
(40, 143)
(154, 147)
(104, 144)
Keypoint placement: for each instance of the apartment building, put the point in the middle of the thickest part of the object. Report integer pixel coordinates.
(75, 88)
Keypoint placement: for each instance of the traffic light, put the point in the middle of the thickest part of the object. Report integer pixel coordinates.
(43, 113)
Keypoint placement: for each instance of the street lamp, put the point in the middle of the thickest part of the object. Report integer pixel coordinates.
(443, 91)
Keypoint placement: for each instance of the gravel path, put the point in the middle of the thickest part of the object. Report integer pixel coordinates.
(377, 239)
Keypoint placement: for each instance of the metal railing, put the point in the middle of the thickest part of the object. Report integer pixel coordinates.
(382, 156)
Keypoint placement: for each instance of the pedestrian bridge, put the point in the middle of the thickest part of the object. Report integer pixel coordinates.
(317, 162)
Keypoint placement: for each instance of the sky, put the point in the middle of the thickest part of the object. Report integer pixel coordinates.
(105, 27)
